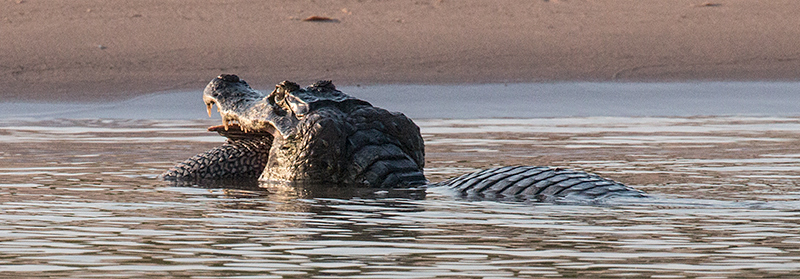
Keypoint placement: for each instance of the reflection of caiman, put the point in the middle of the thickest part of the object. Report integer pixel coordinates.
(319, 135)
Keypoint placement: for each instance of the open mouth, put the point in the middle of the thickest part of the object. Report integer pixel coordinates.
(232, 128)
(228, 120)
(246, 110)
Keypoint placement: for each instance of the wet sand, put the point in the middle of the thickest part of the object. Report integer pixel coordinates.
(88, 50)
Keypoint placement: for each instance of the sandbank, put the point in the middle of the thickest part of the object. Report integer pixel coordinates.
(95, 50)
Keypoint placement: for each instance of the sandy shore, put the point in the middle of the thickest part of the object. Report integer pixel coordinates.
(100, 50)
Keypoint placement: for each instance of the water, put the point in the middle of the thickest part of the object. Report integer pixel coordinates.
(79, 198)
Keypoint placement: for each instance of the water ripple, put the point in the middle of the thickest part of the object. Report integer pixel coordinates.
(76, 203)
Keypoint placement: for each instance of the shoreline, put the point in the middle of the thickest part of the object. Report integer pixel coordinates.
(94, 50)
(507, 101)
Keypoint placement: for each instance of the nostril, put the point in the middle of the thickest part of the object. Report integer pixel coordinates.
(229, 78)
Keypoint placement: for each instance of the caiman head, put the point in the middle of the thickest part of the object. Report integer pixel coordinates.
(315, 134)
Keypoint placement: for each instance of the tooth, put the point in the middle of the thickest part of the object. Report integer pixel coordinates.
(208, 109)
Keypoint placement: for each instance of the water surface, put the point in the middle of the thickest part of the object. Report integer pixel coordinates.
(79, 198)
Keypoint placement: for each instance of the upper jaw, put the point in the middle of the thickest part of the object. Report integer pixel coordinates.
(237, 103)
(226, 92)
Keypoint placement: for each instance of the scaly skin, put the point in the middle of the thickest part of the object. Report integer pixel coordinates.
(242, 158)
(320, 135)
(236, 159)
(546, 184)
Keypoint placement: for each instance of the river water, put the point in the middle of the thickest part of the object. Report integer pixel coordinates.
(79, 198)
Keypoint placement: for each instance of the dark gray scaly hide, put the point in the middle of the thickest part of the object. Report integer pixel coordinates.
(320, 135)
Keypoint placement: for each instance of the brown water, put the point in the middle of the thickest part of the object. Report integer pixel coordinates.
(80, 199)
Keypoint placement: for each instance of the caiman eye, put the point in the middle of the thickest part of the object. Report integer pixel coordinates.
(279, 96)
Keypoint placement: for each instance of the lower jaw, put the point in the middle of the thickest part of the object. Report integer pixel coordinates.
(234, 131)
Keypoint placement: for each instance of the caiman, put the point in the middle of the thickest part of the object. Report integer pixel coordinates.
(319, 135)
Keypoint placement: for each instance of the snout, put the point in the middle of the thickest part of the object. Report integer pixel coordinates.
(228, 78)
(222, 82)
(218, 86)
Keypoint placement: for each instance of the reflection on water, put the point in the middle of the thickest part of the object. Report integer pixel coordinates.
(79, 198)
